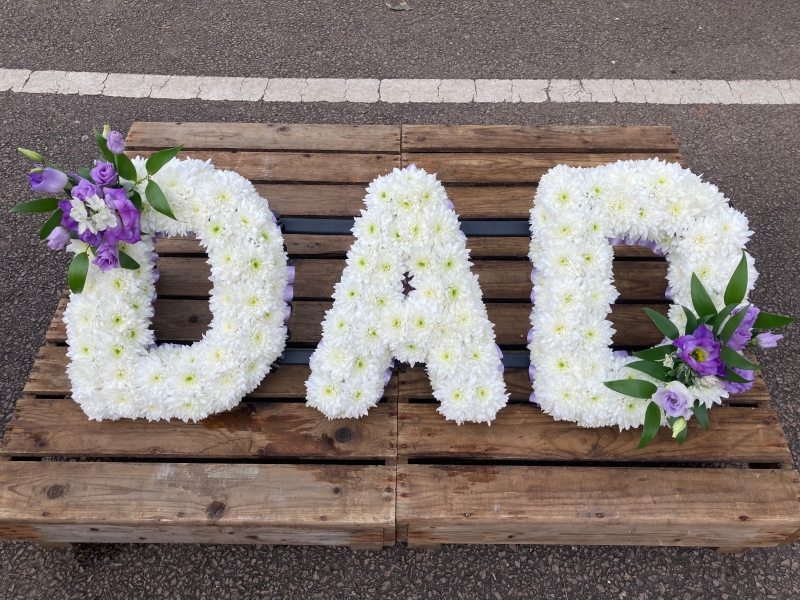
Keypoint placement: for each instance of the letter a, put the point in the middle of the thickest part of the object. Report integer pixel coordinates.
(409, 228)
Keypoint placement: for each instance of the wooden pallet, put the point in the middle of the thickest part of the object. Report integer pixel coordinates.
(274, 471)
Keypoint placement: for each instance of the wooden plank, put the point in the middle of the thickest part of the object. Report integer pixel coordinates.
(514, 167)
(635, 281)
(48, 377)
(520, 138)
(524, 432)
(296, 166)
(415, 385)
(310, 200)
(251, 430)
(196, 503)
(578, 505)
(264, 136)
(336, 246)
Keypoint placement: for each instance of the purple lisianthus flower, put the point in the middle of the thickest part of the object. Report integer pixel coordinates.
(115, 142)
(107, 257)
(48, 180)
(66, 220)
(675, 398)
(700, 351)
(58, 238)
(104, 173)
(128, 228)
(85, 189)
(93, 239)
(737, 388)
(744, 332)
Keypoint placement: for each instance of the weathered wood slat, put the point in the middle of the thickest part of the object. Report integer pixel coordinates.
(49, 378)
(524, 432)
(251, 430)
(264, 136)
(479, 202)
(517, 138)
(415, 385)
(579, 505)
(296, 166)
(178, 320)
(190, 503)
(336, 246)
(513, 168)
(635, 281)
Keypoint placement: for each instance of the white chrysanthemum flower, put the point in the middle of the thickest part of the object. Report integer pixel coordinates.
(113, 372)
(408, 229)
(643, 202)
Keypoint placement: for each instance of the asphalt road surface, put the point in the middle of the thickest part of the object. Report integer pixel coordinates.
(750, 152)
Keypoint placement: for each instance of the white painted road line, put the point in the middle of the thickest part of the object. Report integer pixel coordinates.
(402, 91)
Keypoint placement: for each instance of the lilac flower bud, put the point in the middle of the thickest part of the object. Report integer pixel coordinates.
(156, 275)
(532, 398)
(49, 181)
(104, 173)
(115, 142)
(767, 339)
(530, 336)
(533, 296)
(621, 353)
(450, 204)
(287, 312)
(387, 375)
(288, 293)
(531, 373)
(533, 273)
(291, 271)
(58, 238)
(668, 293)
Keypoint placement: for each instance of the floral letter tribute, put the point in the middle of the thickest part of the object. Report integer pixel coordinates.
(409, 227)
(113, 213)
(577, 213)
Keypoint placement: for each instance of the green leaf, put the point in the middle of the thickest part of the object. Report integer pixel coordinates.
(125, 167)
(42, 205)
(735, 377)
(700, 299)
(666, 326)
(701, 412)
(85, 173)
(681, 437)
(733, 323)
(652, 422)
(733, 359)
(101, 142)
(656, 353)
(160, 158)
(126, 262)
(737, 286)
(722, 315)
(77, 272)
(766, 320)
(654, 369)
(691, 320)
(136, 200)
(51, 223)
(636, 388)
(156, 199)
